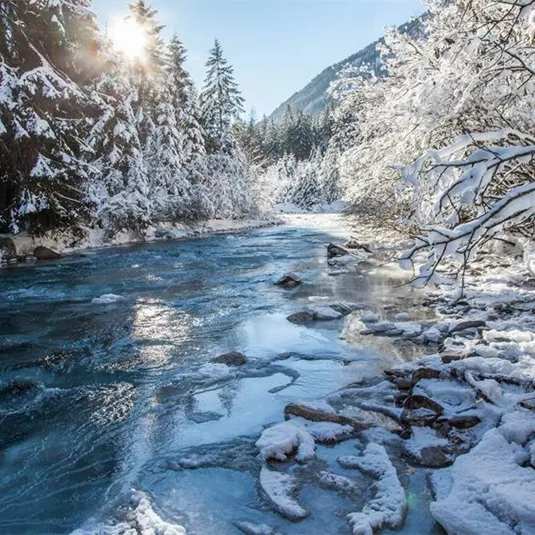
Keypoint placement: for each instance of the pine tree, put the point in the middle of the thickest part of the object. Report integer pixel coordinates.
(121, 195)
(192, 147)
(221, 105)
(220, 101)
(44, 116)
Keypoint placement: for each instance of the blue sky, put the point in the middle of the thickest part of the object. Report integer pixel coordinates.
(275, 46)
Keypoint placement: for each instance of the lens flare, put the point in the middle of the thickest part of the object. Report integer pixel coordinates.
(129, 38)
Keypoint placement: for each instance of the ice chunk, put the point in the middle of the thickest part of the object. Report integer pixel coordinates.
(388, 506)
(280, 488)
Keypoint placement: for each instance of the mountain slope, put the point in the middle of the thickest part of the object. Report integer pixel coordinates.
(314, 96)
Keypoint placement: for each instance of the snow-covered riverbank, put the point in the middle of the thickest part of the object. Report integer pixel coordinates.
(68, 242)
(465, 413)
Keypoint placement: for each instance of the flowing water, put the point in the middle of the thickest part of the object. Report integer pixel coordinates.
(99, 400)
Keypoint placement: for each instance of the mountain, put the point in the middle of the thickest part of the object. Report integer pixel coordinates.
(314, 96)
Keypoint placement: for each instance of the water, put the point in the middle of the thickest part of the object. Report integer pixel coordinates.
(97, 400)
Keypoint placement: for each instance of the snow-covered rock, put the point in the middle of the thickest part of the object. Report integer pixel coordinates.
(281, 440)
(492, 491)
(140, 519)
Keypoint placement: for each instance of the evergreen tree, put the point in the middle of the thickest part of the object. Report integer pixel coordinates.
(121, 194)
(221, 105)
(220, 101)
(192, 147)
(44, 116)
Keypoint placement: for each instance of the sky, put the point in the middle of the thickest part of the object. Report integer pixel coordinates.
(275, 46)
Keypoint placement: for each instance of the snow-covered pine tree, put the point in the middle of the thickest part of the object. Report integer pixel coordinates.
(330, 174)
(221, 104)
(192, 147)
(43, 115)
(301, 136)
(121, 196)
(220, 101)
(307, 189)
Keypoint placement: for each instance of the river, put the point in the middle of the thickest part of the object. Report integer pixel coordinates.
(98, 399)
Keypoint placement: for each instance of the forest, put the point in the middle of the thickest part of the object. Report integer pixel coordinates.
(437, 138)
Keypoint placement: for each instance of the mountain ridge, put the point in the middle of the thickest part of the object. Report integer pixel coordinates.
(314, 97)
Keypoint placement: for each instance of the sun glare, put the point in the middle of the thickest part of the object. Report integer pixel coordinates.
(130, 38)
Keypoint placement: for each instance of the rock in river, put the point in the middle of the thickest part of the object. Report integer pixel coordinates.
(289, 280)
(44, 253)
(8, 250)
(234, 358)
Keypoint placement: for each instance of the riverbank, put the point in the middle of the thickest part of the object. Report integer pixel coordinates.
(93, 238)
(464, 414)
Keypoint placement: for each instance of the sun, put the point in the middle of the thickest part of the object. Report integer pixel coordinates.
(130, 38)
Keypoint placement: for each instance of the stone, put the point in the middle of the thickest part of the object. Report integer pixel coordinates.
(336, 250)
(203, 417)
(464, 422)
(234, 358)
(301, 317)
(45, 253)
(354, 244)
(469, 324)
(451, 356)
(290, 280)
(403, 383)
(318, 414)
(420, 411)
(435, 457)
(8, 251)
(424, 373)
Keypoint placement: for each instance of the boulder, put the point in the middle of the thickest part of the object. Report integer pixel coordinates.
(424, 373)
(301, 317)
(451, 356)
(45, 253)
(355, 245)
(464, 422)
(8, 251)
(435, 457)
(234, 358)
(289, 281)
(420, 411)
(336, 250)
(321, 413)
(469, 324)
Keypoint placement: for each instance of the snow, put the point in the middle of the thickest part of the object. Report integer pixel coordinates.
(255, 529)
(97, 238)
(300, 435)
(387, 508)
(336, 482)
(279, 441)
(141, 519)
(491, 492)
(280, 488)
